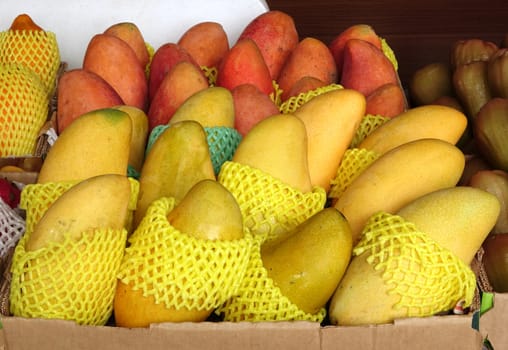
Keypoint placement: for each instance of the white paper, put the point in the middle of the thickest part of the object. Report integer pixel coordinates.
(75, 22)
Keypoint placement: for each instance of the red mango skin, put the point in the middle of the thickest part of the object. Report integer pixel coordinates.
(244, 64)
(251, 106)
(164, 58)
(356, 31)
(388, 100)
(276, 35)
(311, 57)
(366, 67)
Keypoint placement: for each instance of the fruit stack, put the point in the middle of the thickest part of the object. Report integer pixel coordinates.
(29, 62)
(474, 81)
(324, 197)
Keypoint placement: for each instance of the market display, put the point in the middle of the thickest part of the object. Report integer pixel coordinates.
(276, 178)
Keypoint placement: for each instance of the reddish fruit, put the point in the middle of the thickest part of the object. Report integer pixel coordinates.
(9, 193)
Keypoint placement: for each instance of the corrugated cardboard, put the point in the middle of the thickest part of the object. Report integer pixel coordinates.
(493, 323)
(448, 332)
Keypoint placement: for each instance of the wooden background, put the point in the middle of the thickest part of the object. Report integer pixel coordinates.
(419, 32)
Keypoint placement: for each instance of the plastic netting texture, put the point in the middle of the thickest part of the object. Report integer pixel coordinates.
(428, 277)
(24, 108)
(268, 205)
(179, 270)
(259, 299)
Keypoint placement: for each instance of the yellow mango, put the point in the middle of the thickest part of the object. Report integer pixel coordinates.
(210, 107)
(207, 211)
(97, 142)
(429, 121)
(97, 202)
(177, 160)
(277, 145)
(398, 177)
(331, 120)
(308, 262)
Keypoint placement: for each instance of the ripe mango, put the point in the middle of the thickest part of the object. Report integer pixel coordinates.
(422, 166)
(208, 211)
(131, 34)
(356, 31)
(164, 58)
(366, 67)
(429, 121)
(388, 100)
(139, 137)
(116, 62)
(310, 57)
(250, 107)
(242, 64)
(275, 34)
(212, 106)
(331, 120)
(207, 42)
(97, 202)
(182, 81)
(178, 159)
(277, 145)
(308, 262)
(95, 143)
(81, 91)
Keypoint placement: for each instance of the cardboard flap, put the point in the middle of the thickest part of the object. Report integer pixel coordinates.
(493, 322)
(440, 332)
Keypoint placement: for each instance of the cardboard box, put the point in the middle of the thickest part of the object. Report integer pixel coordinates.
(493, 322)
(450, 332)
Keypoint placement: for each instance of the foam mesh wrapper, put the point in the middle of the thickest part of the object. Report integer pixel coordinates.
(179, 270)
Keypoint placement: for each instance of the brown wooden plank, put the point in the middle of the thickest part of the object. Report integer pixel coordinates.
(419, 32)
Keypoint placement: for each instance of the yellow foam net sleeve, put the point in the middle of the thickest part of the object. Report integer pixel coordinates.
(35, 49)
(294, 102)
(179, 270)
(428, 277)
(268, 205)
(368, 124)
(259, 299)
(37, 198)
(353, 163)
(24, 108)
(73, 280)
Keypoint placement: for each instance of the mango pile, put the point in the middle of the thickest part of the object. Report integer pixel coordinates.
(278, 178)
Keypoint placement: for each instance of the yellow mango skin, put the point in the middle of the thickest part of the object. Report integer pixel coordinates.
(429, 121)
(309, 263)
(398, 177)
(98, 142)
(458, 218)
(210, 107)
(177, 160)
(277, 145)
(362, 297)
(207, 211)
(97, 202)
(219, 215)
(331, 120)
(139, 137)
